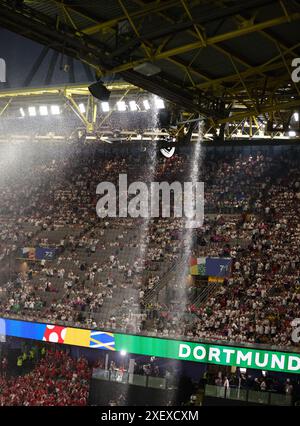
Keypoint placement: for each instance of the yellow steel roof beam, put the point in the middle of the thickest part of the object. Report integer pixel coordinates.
(145, 48)
(210, 41)
(194, 34)
(81, 89)
(264, 109)
(241, 19)
(267, 66)
(150, 8)
(227, 36)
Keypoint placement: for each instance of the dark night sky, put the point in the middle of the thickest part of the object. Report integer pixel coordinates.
(21, 53)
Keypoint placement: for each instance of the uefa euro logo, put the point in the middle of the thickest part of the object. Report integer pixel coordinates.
(168, 151)
(2, 71)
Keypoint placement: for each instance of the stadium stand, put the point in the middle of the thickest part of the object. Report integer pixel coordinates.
(100, 279)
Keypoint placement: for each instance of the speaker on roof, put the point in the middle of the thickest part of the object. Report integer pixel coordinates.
(99, 91)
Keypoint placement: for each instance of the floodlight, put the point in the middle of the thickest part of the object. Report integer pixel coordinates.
(43, 110)
(32, 111)
(121, 105)
(105, 106)
(55, 110)
(132, 105)
(81, 107)
(146, 104)
(159, 103)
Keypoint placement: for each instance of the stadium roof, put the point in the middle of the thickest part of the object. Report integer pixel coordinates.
(217, 57)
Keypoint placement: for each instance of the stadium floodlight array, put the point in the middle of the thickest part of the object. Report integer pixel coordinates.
(134, 106)
(42, 110)
(121, 106)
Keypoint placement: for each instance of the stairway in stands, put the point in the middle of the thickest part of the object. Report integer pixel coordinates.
(170, 276)
(199, 296)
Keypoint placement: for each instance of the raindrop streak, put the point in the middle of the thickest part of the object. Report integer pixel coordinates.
(134, 316)
(181, 295)
(187, 234)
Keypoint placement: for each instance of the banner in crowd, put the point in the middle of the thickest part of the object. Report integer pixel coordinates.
(218, 266)
(211, 266)
(38, 253)
(197, 266)
(217, 280)
(288, 362)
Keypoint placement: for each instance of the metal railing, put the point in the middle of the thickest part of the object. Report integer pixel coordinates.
(134, 379)
(205, 294)
(166, 278)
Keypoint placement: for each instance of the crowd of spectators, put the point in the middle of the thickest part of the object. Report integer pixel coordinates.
(56, 380)
(106, 270)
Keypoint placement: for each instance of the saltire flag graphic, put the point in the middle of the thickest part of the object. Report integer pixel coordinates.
(102, 340)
